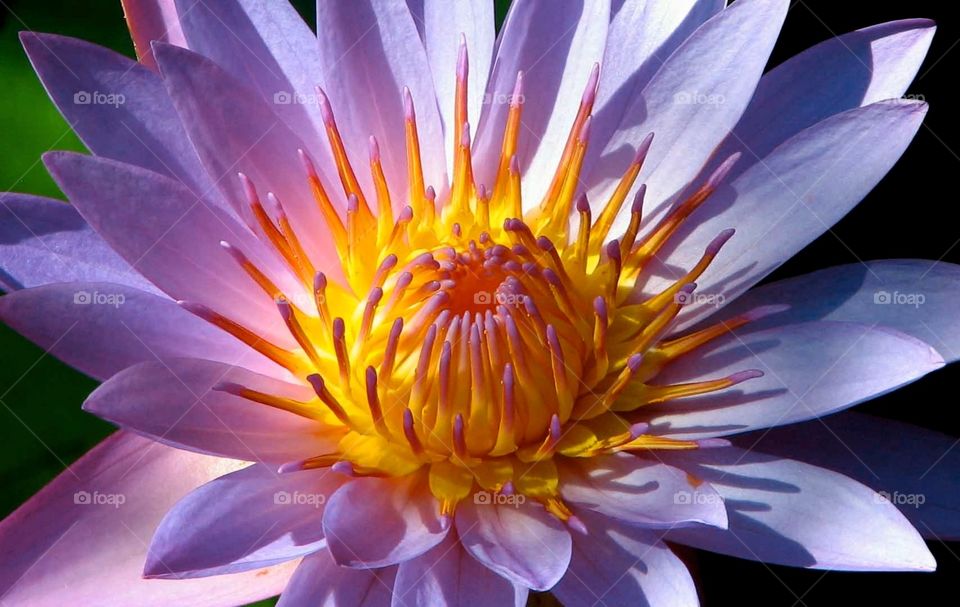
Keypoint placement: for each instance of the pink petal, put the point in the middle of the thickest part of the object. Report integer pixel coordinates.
(174, 402)
(243, 133)
(151, 20)
(74, 543)
(119, 109)
(403, 512)
(103, 328)
(44, 241)
(173, 238)
(521, 542)
(245, 520)
(267, 46)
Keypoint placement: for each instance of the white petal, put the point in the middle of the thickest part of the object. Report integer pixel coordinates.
(370, 51)
(640, 491)
(616, 564)
(810, 370)
(842, 73)
(692, 103)
(918, 297)
(522, 542)
(790, 198)
(786, 512)
(556, 45)
(443, 24)
(643, 34)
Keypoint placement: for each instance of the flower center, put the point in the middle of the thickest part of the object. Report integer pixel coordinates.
(474, 340)
(480, 279)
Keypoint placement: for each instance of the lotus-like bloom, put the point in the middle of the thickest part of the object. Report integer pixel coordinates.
(406, 314)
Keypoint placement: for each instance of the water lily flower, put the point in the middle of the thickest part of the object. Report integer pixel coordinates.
(405, 313)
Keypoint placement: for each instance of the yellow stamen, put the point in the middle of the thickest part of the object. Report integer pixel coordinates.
(477, 346)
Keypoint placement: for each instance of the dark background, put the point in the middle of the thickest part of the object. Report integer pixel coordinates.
(909, 215)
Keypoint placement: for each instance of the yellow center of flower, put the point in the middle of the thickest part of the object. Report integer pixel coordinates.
(478, 342)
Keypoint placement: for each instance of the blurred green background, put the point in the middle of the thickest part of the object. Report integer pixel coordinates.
(42, 429)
